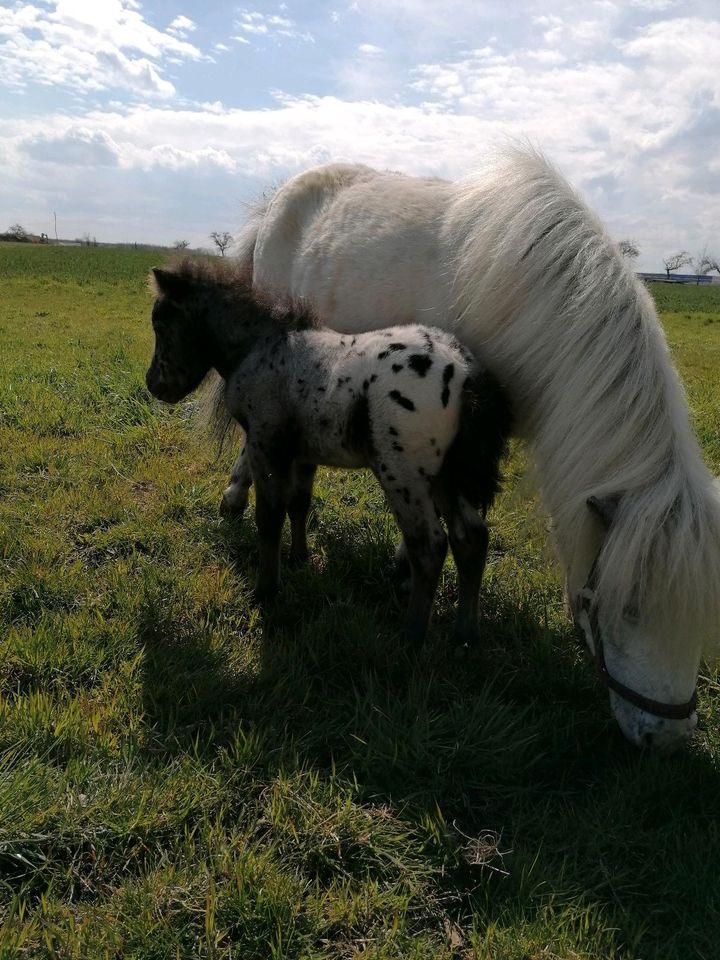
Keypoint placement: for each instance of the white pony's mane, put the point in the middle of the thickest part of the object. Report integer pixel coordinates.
(576, 338)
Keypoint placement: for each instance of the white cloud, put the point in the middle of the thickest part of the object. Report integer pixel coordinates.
(139, 74)
(271, 26)
(106, 44)
(547, 57)
(552, 27)
(370, 49)
(654, 5)
(181, 26)
(78, 147)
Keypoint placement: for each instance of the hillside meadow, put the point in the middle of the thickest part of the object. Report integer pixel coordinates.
(183, 775)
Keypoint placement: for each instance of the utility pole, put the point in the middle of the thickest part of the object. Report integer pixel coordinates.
(55, 218)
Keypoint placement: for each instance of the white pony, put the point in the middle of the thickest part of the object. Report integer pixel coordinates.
(514, 264)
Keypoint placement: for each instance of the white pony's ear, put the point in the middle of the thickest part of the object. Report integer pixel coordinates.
(604, 508)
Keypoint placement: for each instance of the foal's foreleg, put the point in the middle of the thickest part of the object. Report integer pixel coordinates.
(235, 495)
(303, 476)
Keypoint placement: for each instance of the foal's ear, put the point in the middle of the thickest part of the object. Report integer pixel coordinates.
(604, 508)
(169, 284)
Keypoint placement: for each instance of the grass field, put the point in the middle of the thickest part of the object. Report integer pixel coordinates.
(181, 776)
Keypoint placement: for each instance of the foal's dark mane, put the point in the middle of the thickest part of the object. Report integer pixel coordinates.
(234, 280)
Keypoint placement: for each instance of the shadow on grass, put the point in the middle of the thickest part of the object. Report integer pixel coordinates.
(514, 744)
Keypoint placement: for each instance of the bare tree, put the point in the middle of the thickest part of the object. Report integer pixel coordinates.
(221, 240)
(181, 244)
(17, 232)
(704, 263)
(676, 261)
(629, 249)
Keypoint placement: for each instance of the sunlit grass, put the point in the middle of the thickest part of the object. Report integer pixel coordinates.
(182, 774)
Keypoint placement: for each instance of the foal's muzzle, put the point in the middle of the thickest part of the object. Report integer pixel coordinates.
(161, 389)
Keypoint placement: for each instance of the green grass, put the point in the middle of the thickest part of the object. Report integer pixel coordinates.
(182, 775)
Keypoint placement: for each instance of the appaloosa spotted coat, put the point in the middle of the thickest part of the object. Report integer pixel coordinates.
(408, 402)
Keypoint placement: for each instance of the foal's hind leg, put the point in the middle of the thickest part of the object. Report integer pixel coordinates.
(303, 476)
(272, 495)
(425, 543)
(468, 534)
(235, 495)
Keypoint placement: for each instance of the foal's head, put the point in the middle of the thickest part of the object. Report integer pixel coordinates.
(188, 296)
(206, 315)
(182, 354)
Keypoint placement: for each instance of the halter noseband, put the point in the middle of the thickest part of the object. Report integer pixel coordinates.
(588, 605)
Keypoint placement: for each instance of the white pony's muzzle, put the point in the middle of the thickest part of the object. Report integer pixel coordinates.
(649, 732)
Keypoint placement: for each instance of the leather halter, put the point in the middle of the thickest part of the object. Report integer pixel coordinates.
(587, 604)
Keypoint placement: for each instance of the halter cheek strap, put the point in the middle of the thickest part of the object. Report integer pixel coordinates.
(588, 607)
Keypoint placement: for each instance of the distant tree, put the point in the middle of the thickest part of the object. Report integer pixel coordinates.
(705, 263)
(181, 244)
(676, 261)
(221, 240)
(629, 249)
(17, 232)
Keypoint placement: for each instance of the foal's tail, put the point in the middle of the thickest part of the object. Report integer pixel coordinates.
(212, 415)
(472, 462)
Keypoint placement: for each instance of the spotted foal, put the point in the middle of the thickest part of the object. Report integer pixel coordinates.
(408, 402)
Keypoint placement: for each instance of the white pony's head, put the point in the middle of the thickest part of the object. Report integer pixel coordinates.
(650, 671)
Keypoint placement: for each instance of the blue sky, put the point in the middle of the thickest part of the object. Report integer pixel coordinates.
(159, 121)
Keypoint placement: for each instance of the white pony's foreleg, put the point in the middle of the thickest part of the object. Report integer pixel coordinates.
(235, 495)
